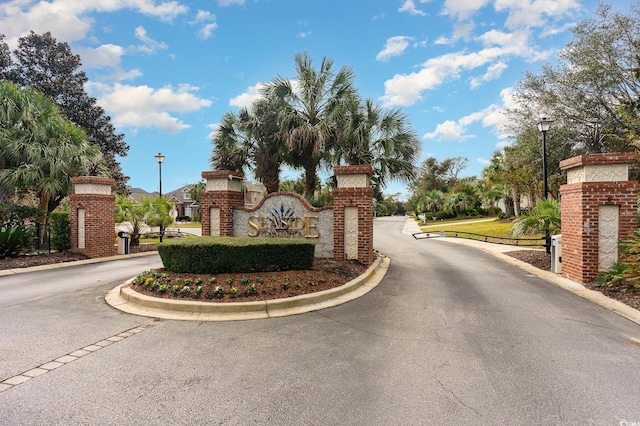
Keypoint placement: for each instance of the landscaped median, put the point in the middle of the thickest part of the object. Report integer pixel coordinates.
(127, 300)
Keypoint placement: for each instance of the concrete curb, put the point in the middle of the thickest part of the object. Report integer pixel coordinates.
(6, 272)
(127, 300)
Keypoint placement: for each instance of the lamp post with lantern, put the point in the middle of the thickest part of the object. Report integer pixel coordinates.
(160, 159)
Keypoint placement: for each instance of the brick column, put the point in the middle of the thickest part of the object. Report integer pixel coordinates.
(93, 216)
(223, 194)
(599, 208)
(353, 214)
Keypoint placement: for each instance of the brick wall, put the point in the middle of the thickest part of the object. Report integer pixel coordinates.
(226, 201)
(580, 203)
(362, 198)
(99, 219)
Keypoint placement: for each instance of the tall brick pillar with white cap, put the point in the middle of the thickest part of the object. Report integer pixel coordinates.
(222, 194)
(599, 208)
(353, 214)
(93, 216)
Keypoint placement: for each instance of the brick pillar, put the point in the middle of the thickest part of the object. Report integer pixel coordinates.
(599, 208)
(93, 216)
(223, 194)
(353, 214)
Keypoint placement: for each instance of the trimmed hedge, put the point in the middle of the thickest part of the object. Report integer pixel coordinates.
(219, 255)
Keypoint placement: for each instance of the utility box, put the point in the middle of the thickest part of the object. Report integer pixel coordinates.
(556, 254)
(123, 242)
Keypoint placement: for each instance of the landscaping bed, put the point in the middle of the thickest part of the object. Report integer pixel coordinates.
(247, 287)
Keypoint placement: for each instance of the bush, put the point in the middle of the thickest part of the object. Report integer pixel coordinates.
(444, 215)
(13, 239)
(14, 215)
(60, 231)
(183, 219)
(217, 255)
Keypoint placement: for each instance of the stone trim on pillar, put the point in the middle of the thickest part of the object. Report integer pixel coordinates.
(222, 194)
(93, 216)
(353, 214)
(598, 203)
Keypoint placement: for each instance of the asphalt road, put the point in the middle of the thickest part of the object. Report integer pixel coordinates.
(451, 336)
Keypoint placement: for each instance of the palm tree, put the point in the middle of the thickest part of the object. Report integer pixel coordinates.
(370, 134)
(266, 140)
(311, 106)
(40, 150)
(545, 218)
(431, 201)
(230, 145)
(457, 203)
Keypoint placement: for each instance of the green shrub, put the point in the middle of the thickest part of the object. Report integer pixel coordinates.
(60, 231)
(216, 255)
(13, 239)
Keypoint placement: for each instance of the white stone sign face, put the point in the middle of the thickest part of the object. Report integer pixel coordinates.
(286, 216)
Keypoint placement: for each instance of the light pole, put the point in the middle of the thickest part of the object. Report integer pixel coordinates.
(160, 158)
(543, 126)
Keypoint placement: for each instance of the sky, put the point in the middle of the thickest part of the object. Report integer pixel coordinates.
(167, 71)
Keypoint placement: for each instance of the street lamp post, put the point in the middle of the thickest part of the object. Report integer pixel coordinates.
(543, 126)
(160, 158)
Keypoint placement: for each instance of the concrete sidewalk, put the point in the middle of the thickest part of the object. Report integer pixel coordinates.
(499, 250)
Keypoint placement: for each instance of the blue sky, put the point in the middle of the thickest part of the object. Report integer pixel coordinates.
(166, 72)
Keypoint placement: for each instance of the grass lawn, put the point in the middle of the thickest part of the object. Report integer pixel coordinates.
(493, 228)
(185, 225)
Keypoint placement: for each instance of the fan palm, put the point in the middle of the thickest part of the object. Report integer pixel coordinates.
(369, 134)
(311, 106)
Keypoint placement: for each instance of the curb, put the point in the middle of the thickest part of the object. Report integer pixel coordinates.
(7, 272)
(127, 300)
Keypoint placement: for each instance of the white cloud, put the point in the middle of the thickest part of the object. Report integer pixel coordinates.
(304, 34)
(149, 45)
(448, 131)
(106, 55)
(69, 20)
(532, 14)
(206, 21)
(463, 9)
(143, 106)
(394, 46)
(483, 161)
(410, 6)
(491, 116)
(223, 3)
(407, 89)
(493, 72)
(247, 98)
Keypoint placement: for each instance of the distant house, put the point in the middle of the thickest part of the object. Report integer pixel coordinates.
(255, 193)
(185, 206)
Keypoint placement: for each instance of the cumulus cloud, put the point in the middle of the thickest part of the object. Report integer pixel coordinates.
(407, 89)
(106, 55)
(247, 98)
(491, 116)
(149, 45)
(223, 3)
(207, 23)
(144, 106)
(394, 46)
(493, 72)
(532, 14)
(70, 20)
(463, 9)
(410, 6)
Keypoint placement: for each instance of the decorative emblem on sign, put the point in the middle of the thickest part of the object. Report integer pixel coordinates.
(283, 222)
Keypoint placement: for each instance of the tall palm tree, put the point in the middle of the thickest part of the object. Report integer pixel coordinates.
(40, 150)
(431, 201)
(370, 134)
(311, 106)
